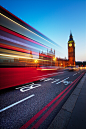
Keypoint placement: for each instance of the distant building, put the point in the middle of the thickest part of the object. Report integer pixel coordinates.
(47, 59)
(62, 62)
(71, 55)
(71, 51)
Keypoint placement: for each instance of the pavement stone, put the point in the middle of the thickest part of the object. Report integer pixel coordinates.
(77, 91)
(61, 120)
(78, 116)
(70, 103)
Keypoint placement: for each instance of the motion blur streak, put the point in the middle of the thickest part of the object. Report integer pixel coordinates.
(24, 27)
(21, 36)
(25, 53)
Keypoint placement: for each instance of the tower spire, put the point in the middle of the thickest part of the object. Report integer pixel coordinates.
(70, 37)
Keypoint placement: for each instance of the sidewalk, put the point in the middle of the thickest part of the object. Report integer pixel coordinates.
(73, 113)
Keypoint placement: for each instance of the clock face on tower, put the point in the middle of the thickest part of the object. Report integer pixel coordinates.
(70, 44)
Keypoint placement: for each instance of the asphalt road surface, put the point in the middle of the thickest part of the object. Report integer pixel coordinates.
(35, 105)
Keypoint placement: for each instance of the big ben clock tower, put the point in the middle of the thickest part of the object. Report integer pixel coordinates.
(71, 51)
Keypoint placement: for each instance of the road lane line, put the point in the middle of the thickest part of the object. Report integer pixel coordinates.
(62, 80)
(42, 79)
(55, 80)
(16, 103)
(27, 124)
(41, 120)
(48, 79)
(74, 74)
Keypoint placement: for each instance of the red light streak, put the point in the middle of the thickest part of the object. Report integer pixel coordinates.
(21, 36)
(16, 48)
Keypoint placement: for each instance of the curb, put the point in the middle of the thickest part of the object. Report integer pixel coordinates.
(62, 118)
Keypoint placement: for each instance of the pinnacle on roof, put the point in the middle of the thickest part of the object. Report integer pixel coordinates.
(70, 37)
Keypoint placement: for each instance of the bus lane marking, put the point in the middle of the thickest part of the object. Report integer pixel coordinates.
(55, 80)
(32, 86)
(74, 74)
(48, 79)
(67, 82)
(62, 80)
(29, 87)
(23, 86)
(42, 79)
(16, 103)
(60, 97)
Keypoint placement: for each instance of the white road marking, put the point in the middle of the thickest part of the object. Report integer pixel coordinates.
(24, 86)
(67, 82)
(48, 79)
(29, 87)
(16, 103)
(42, 79)
(55, 80)
(62, 80)
(74, 74)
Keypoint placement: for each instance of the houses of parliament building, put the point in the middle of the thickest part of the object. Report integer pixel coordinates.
(71, 54)
(60, 61)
